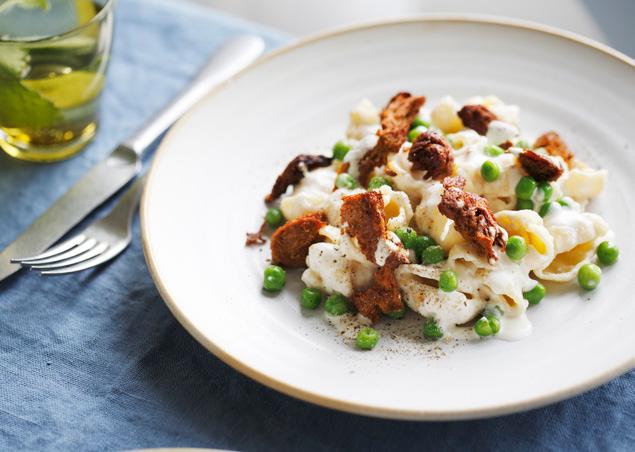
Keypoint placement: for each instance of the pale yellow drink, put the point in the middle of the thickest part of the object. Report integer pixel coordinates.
(50, 85)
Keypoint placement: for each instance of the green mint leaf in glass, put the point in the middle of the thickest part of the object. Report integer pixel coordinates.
(21, 107)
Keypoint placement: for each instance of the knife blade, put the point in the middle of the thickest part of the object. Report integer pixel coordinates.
(124, 163)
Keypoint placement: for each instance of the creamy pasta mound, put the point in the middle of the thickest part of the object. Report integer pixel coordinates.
(449, 211)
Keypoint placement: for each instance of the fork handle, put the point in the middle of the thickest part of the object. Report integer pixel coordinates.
(232, 57)
(127, 204)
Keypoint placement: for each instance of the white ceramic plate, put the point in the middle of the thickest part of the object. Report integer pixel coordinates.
(206, 187)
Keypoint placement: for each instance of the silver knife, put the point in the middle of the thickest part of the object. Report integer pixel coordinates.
(124, 163)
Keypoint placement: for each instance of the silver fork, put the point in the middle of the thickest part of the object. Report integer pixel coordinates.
(98, 243)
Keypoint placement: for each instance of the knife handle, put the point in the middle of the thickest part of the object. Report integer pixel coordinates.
(232, 57)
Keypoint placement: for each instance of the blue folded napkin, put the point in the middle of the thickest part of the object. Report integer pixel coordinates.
(96, 362)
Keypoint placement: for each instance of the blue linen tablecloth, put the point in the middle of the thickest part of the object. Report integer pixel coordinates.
(97, 362)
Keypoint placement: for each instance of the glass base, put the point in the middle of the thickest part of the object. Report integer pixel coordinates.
(47, 153)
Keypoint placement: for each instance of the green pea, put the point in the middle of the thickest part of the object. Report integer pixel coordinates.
(490, 171)
(547, 191)
(419, 122)
(400, 314)
(414, 133)
(275, 277)
(345, 180)
(494, 324)
(422, 242)
(432, 255)
(607, 253)
(522, 144)
(526, 187)
(407, 236)
(493, 151)
(589, 276)
(535, 295)
(448, 281)
(340, 149)
(274, 217)
(432, 330)
(563, 203)
(337, 304)
(367, 338)
(483, 328)
(524, 204)
(544, 209)
(516, 247)
(310, 298)
(489, 324)
(378, 181)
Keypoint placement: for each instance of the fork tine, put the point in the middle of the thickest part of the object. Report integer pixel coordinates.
(104, 257)
(93, 252)
(64, 246)
(83, 247)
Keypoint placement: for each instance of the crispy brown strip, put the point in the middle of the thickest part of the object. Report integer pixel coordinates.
(401, 111)
(432, 153)
(365, 220)
(291, 241)
(396, 119)
(472, 217)
(476, 117)
(457, 182)
(506, 145)
(293, 173)
(383, 295)
(256, 238)
(539, 167)
(554, 145)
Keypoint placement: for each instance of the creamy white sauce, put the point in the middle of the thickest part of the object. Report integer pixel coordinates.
(499, 132)
(337, 267)
(384, 249)
(501, 193)
(569, 225)
(410, 182)
(357, 151)
(514, 328)
(310, 195)
(448, 308)
(430, 221)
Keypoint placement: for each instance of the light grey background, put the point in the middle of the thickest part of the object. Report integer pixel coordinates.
(609, 21)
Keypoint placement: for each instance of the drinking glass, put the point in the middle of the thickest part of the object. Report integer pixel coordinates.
(53, 60)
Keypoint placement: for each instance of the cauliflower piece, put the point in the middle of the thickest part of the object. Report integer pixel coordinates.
(444, 115)
(583, 183)
(364, 120)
